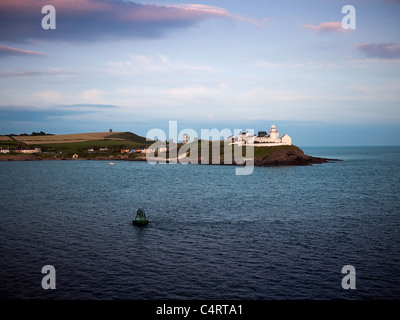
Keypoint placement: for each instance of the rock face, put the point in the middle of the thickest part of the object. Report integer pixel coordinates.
(292, 157)
(19, 157)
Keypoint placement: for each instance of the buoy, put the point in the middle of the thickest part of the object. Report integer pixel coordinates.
(140, 219)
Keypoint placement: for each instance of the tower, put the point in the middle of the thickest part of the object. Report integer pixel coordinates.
(273, 134)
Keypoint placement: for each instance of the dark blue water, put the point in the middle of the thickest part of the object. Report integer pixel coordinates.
(280, 233)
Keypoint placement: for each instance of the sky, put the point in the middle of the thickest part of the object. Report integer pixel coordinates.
(136, 65)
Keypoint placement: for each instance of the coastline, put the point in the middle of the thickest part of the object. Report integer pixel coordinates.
(278, 158)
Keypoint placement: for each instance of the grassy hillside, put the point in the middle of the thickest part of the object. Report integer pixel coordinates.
(63, 138)
(68, 144)
(11, 144)
(259, 152)
(129, 136)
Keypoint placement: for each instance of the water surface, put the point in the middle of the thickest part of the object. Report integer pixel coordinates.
(280, 233)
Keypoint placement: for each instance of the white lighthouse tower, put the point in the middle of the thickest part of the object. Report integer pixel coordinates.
(273, 134)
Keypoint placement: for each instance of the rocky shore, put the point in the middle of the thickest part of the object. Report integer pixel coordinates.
(19, 157)
(38, 157)
(274, 156)
(291, 157)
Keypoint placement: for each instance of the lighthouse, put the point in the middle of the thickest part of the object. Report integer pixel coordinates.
(273, 134)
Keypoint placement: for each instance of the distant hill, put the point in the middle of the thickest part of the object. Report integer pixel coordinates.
(77, 137)
(81, 143)
(129, 136)
(63, 138)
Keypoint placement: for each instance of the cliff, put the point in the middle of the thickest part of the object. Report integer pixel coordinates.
(286, 155)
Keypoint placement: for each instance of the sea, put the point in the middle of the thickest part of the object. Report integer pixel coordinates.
(281, 233)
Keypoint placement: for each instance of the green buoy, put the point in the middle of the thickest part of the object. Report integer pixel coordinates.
(140, 219)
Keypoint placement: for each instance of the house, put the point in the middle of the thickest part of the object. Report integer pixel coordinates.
(149, 150)
(286, 139)
(125, 150)
(23, 151)
(103, 149)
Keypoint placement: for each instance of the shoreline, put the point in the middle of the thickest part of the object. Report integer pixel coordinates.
(282, 160)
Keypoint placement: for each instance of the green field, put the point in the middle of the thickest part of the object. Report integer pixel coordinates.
(82, 147)
(129, 136)
(114, 142)
(259, 152)
(11, 144)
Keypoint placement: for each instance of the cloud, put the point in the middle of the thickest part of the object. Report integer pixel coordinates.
(7, 51)
(48, 96)
(24, 117)
(87, 106)
(327, 27)
(154, 64)
(388, 92)
(92, 95)
(267, 64)
(273, 65)
(212, 10)
(338, 64)
(190, 93)
(93, 20)
(383, 51)
(29, 73)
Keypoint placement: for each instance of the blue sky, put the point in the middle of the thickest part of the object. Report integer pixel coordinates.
(135, 65)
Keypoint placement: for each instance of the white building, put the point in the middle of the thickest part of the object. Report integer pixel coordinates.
(148, 150)
(185, 138)
(262, 139)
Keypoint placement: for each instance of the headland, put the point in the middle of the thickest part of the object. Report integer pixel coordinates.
(127, 146)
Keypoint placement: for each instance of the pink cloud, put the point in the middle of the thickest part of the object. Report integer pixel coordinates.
(216, 12)
(4, 50)
(327, 27)
(384, 51)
